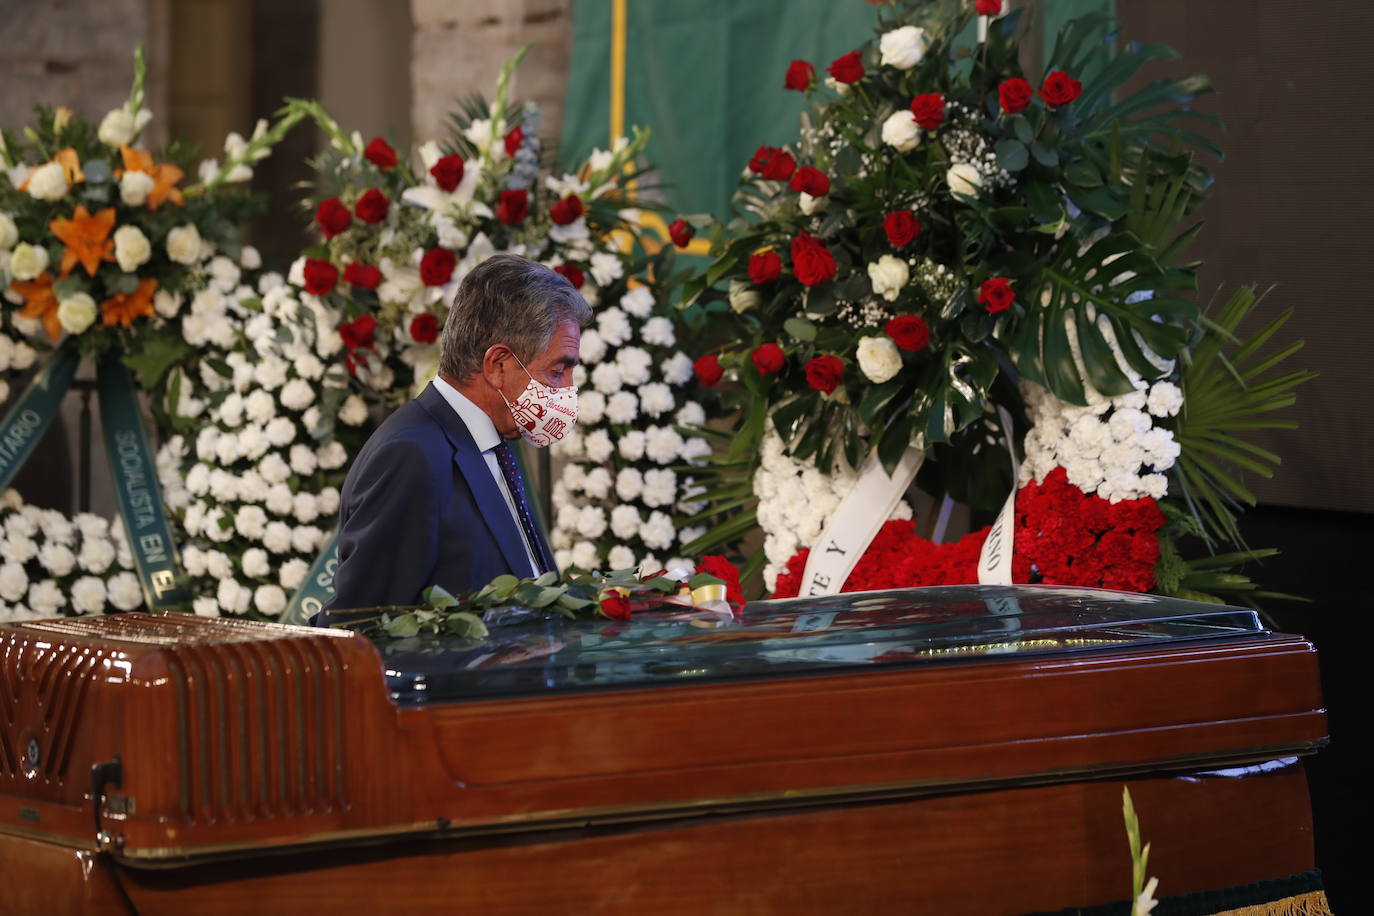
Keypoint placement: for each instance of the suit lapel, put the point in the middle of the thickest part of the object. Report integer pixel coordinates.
(491, 505)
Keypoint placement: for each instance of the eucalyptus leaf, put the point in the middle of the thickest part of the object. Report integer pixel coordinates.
(1012, 155)
(800, 328)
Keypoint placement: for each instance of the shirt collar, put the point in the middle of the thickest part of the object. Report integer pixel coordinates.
(474, 418)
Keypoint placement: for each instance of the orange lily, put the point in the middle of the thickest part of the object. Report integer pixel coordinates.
(87, 238)
(71, 167)
(123, 308)
(165, 176)
(40, 302)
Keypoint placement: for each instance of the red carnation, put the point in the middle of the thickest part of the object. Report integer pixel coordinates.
(372, 206)
(680, 233)
(812, 262)
(436, 267)
(424, 328)
(320, 276)
(332, 217)
(512, 206)
(823, 373)
(799, 75)
(448, 172)
(996, 294)
(514, 139)
(901, 227)
(1014, 95)
(759, 161)
(566, 210)
(847, 69)
(780, 166)
(615, 606)
(810, 181)
(1060, 89)
(708, 370)
(380, 154)
(768, 358)
(988, 7)
(764, 267)
(358, 333)
(929, 110)
(366, 276)
(908, 331)
(572, 273)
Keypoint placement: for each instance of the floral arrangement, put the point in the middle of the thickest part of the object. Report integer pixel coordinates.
(398, 240)
(949, 234)
(711, 585)
(105, 249)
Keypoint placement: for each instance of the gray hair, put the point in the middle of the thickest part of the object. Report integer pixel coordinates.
(511, 300)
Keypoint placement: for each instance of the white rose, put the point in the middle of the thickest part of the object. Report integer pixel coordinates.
(901, 131)
(811, 204)
(879, 359)
(27, 261)
(888, 275)
(353, 412)
(132, 248)
(76, 313)
(743, 296)
(88, 595)
(903, 48)
(117, 128)
(134, 188)
(48, 182)
(9, 232)
(963, 179)
(183, 244)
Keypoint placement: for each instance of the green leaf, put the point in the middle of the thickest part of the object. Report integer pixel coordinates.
(157, 355)
(401, 625)
(800, 328)
(1022, 128)
(436, 596)
(1045, 155)
(1012, 155)
(465, 624)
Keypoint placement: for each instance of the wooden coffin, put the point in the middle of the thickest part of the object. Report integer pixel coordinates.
(936, 750)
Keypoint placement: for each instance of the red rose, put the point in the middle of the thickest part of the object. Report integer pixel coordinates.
(320, 276)
(988, 7)
(357, 334)
(901, 227)
(764, 267)
(424, 328)
(1060, 89)
(332, 217)
(436, 267)
(908, 331)
(812, 262)
(929, 110)
(799, 75)
(1014, 95)
(372, 206)
(364, 275)
(847, 69)
(512, 206)
(996, 294)
(780, 166)
(724, 570)
(572, 273)
(680, 233)
(380, 154)
(447, 172)
(759, 161)
(768, 358)
(810, 181)
(708, 370)
(823, 373)
(615, 606)
(566, 210)
(513, 140)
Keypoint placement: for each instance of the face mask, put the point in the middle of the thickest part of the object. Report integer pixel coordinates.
(542, 413)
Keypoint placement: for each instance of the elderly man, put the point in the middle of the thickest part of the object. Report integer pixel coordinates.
(435, 496)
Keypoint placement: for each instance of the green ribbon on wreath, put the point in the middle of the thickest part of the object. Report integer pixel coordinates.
(140, 496)
(33, 412)
(318, 586)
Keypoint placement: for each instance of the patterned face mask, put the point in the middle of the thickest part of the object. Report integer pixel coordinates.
(542, 413)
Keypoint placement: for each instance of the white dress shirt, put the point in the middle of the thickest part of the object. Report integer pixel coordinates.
(484, 433)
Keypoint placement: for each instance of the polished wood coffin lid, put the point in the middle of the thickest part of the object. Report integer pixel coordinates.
(236, 736)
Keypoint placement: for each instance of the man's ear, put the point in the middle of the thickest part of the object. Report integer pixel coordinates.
(496, 364)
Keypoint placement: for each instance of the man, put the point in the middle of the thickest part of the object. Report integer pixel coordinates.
(435, 497)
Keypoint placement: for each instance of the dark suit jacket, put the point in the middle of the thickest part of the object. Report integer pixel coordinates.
(419, 508)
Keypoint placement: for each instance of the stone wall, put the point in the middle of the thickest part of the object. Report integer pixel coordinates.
(459, 46)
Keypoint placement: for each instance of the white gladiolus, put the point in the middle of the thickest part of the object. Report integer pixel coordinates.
(27, 261)
(903, 48)
(120, 127)
(77, 312)
(48, 182)
(963, 179)
(901, 131)
(183, 244)
(134, 187)
(889, 274)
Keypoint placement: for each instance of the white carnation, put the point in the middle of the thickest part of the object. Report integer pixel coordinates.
(279, 430)
(620, 557)
(691, 414)
(124, 592)
(1166, 399)
(292, 573)
(631, 445)
(591, 522)
(273, 469)
(353, 412)
(255, 564)
(662, 444)
(638, 302)
(305, 538)
(297, 394)
(331, 456)
(678, 370)
(598, 446)
(656, 399)
(622, 408)
(633, 363)
(593, 346)
(606, 378)
(306, 507)
(45, 598)
(57, 559)
(606, 267)
(658, 331)
(629, 483)
(591, 407)
(280, 500)
(658, 532)
(233, 598)
(96, 555)
(329, 500)
(584, 555)
(276, 537)
(250, 522)
(660, 487)
(614, 326)
(88, 595)
(270, 600)
(205, 606)
(14, 582)
(625, 522)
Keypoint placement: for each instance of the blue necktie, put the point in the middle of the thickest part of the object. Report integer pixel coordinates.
(510, 469)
